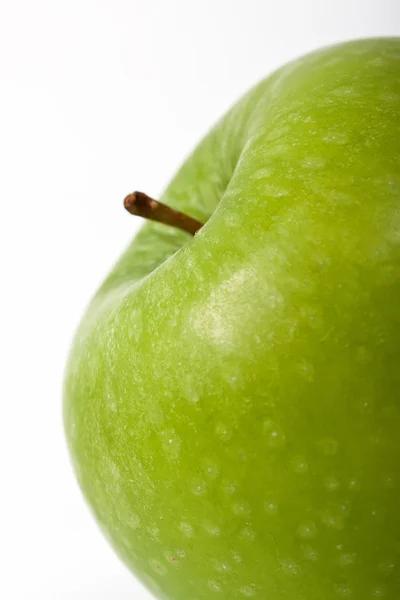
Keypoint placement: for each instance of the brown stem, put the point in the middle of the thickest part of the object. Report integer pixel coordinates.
(141, 205)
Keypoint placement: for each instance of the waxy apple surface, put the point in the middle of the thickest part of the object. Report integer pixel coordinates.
(232, 399)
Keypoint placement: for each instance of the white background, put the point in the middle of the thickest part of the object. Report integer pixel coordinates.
(98, 98)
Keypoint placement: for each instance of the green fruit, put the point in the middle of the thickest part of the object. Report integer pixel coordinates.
(232, 399)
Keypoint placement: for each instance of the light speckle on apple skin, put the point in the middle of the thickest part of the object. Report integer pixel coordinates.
(214, 586)
(212, 529)
(241, 508)
(332, 483)
(236, 557)
(158, 567)
(198, 487)
(290, 567)
(344, 560)
(274, 434)
(307, 530)
(222, 567)
(379, 592)
(271, 508)
(229, 488)
(299, 464)
(216, 417)
(247, 534)
(211, 469)
(186, 529)
(247, 591)
(344, 591)
(328, 446)
(309, 553)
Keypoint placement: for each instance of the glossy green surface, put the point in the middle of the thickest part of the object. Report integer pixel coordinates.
(232, 401)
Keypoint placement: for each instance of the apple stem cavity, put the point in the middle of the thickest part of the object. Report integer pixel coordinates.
(141, 205)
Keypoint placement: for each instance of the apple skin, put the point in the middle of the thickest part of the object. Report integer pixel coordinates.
(232, 400)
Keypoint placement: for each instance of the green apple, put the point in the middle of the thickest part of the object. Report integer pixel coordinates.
(232, 398)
